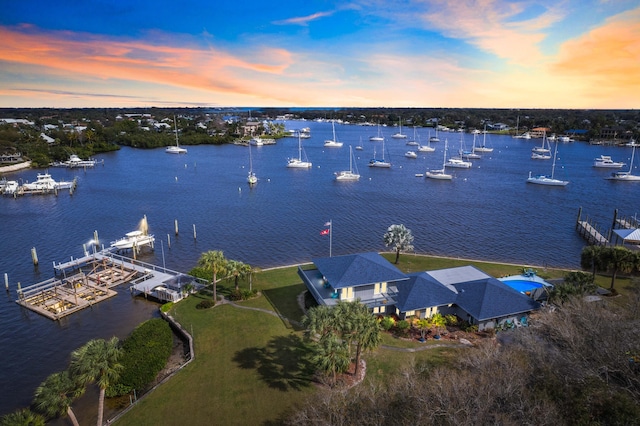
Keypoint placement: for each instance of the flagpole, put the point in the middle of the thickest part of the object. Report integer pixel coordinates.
(330, 235)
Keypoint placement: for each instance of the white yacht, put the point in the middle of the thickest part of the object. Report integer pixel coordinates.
(605, 161)
(440, 174)
(133, 239)
(626, 176)
(44, 182)
(399, 135)
(411, 154)
(352, 173)
(256, 141)
(177, 149)
(378, 137)
(548, 180)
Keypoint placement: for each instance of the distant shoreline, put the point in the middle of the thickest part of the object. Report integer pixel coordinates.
(15, 167)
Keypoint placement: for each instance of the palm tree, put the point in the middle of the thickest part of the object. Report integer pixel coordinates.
(214, 261)
(618, 259)
(438, 321)
(21, 418)
(54, 396)
(318, 322)
(400, 238)
(238, 270)
(97, 361)
(591, 258)
(357, 326)
(331, 356)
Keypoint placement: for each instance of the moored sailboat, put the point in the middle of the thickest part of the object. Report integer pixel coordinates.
(440, 173)
(352, 173)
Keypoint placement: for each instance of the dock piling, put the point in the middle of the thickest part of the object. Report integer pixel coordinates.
(6, 281)
(96, 241)
(175, 224)
(194, 231)
(169, 241)
(34, 256)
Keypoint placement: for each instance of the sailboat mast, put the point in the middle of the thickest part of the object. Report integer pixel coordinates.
(175, 125)
(553, 166)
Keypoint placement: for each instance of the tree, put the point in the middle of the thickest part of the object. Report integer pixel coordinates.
(438, 321)
(331, 356)
(21, 418)
(400, 238)
(238, 270)
(591, 258)
(618, 259)
(215, 262)
(54, 396)
(97, 361)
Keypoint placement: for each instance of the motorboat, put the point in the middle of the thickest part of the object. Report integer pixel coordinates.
(10, 187)
(426, 148)
(45, 183)
(605, 161)
(256, 141)
(75, 161)
(133, 239)
(458, 163)
(411, 154)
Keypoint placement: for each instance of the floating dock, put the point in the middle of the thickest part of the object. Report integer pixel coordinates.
(92, 279)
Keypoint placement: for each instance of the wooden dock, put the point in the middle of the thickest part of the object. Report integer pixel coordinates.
(92, 279)
(589, 231)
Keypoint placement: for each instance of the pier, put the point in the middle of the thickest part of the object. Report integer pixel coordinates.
(91, 279)
(594, 235)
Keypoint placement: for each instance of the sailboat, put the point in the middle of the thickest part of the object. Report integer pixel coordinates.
(414, 141)
(379, 163)
(458, 162)
(548, 180)
(352, 173)
(379, 137)
(175, 149)
(333, 143)
(545, 148)
(440, 173)
(626, 176)
(359, 147)
(483, 147)
(434, 139)
(399, 135)
(252, 179)
(428, 147)
(298, 163)
(469, 155)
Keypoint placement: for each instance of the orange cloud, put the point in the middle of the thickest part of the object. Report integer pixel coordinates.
(608, 57)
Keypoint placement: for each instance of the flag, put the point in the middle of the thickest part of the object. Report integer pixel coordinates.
(328, 223)
(324, 232)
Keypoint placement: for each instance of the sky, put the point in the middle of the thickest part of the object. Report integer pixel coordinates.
(573, 54)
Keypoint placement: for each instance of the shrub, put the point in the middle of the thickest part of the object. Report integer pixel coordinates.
(386, 323)
(242, 294)
(166, 307)
(402, 327)
(205, 304)
(146, 352)
(451, 319)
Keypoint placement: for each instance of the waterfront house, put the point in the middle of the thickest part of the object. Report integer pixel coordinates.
(466, 291)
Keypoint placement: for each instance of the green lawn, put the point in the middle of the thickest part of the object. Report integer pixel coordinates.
(250, 366)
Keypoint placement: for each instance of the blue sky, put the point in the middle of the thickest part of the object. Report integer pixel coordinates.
(432, 53)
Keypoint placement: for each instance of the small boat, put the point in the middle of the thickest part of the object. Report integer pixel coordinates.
(399, 135)
(10, 187)
(133, 239)
(374, 162)
(299, 163)
(252, 179)
(605, 161)
(76, 162)
(434, 139)
(626, 176)
(459, 162)
(256, 141)
(414, 141)
(333, 143)
(545, 148)
(440, 173)
(411, 154)
(525, 135)
(548, 180)
(177, 149)
(471, 155)
(537, 156)
(352, 173)
(378, 137)
(483, 147)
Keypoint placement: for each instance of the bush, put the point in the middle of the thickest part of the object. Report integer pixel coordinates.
(386, 323)
(402, 327)
(205, 304)
(166, 307)
(146, 352)
(451, 320)
(242, 294)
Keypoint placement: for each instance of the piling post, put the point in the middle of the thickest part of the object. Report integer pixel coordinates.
(175, 224)
(95, 239)
(6, 281)
(194, 231)
(34, 256)
(169, 240)
(579, 214)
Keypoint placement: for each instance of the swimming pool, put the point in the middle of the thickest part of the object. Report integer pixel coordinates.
(525, 283)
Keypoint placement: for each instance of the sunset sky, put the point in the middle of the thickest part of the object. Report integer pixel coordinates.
(360, 53)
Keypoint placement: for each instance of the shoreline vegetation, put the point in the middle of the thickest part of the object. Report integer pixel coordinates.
(249, 366)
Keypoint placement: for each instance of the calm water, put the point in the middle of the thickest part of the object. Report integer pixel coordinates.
(488, 212)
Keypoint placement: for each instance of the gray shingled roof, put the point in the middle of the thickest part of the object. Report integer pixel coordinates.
(357, 269)
(421, 291)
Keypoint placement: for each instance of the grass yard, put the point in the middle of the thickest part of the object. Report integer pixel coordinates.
(250, 367)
